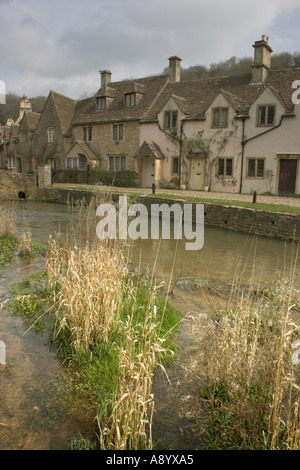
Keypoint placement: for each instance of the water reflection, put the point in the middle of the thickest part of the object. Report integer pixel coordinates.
(223, 254)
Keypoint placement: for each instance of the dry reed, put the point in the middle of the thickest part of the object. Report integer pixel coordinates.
(93, 286)
(251, 388)
(130, 421)
(7, 221)
(25, 243)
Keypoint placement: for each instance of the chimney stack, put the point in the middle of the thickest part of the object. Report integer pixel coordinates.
(105, 78)
(262, 60)
(25, 105)
(174, 69)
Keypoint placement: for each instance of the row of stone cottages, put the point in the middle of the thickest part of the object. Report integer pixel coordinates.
(233, 134)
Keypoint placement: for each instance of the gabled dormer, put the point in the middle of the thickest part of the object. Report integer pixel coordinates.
(133, 94)
(172, 113)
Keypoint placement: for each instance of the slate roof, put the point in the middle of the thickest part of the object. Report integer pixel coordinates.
(149, 149)
(65, 108)
(87, 112)
(87, 150)
(30, 120)
(193, 97)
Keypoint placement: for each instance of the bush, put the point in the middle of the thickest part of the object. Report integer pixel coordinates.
(124, 179)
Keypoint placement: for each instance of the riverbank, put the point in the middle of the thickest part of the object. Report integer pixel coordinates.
(270, 217)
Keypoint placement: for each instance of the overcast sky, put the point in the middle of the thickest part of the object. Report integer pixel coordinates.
(62, 44)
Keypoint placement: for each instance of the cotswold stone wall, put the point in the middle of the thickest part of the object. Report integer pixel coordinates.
(249, 221)
(14, 185)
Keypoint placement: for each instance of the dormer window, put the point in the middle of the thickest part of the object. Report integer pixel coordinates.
(266, 115)
(219, 117)
(130, 99)
(101, 102)
(170, 119)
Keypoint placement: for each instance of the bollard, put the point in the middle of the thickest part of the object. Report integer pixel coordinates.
(153, 188)
(254, 196)
(2, 353)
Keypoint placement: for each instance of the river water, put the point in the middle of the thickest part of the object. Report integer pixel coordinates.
(32, 410)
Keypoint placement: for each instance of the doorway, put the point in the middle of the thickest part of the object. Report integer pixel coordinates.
(197, 172)
(149, 172)
(287, 176)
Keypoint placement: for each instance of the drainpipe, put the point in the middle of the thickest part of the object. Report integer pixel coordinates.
(244, 142)
(243, 150)
(180, 154)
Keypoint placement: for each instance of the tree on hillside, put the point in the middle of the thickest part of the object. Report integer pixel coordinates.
(12, 107)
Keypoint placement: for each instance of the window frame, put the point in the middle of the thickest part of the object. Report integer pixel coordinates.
(50, 135)
(114, 166)
(101, 102)
(117, 132)
(225, 166)
(130, 100)
(265, 123)
(174, 159)
(220, 124)
(78, 166)
(171, 124)
(256, 168)
(87, 133)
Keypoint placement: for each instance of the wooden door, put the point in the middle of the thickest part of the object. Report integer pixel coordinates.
(149, 172)
(287, 176)
(197, 172)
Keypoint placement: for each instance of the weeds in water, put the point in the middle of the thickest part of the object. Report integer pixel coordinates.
(113, 328)
(251, 397)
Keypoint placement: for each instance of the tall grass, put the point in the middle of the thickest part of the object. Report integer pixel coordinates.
(251, 392)
(7, 220)
(111, 319)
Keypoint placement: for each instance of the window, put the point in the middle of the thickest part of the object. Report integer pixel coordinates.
(266, 115)
(117, 163)
(118, 131)
(256, 168)
(220, 117)
(11, 162)
(170, 119)
(101, 102)
(225, 167)
(175, 165)
(51, 134)
(129, 99)
(87, 134)
(76, 163)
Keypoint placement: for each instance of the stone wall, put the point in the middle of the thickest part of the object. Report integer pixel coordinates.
(14, 185)
(250, 221)
(103, 142)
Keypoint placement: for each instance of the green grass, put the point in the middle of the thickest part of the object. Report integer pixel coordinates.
(32, 300)
(8, 247)
(95, 370)
(258, 205)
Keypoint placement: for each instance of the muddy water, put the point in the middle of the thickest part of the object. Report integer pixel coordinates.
(32, 410)
(34, 413)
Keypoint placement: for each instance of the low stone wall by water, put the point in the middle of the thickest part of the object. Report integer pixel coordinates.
(14, 185)
(251, 221)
